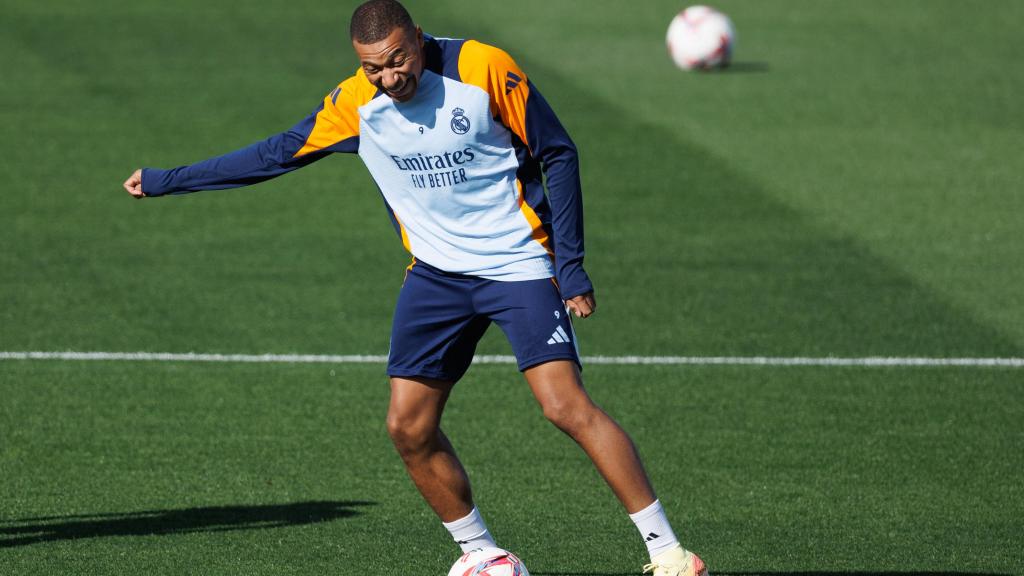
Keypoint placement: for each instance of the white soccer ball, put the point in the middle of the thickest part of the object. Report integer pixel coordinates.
(701, 38)
(488, 562)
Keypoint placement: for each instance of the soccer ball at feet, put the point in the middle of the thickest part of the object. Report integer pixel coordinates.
(701, 38)
(488, 562)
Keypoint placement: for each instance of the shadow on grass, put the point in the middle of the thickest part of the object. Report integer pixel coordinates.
(25, 531)
(801, 573)
(747, 67)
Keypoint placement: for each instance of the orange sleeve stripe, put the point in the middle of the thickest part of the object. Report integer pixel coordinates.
(536, 227)
(405, 235)
(495, 72)
(339, 119)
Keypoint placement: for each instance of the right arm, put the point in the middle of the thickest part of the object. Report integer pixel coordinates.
(260, 161)
(332, 127)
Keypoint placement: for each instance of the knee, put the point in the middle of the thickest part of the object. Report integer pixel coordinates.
(571, 417)
(409, 435)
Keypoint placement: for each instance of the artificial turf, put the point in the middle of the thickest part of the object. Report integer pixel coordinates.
(143, 468)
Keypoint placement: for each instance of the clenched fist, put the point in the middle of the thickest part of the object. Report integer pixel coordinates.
(134, 184)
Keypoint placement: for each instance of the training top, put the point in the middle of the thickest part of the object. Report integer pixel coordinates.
(459, 165)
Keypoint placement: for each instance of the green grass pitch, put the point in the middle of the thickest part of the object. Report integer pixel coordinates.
(851, 187)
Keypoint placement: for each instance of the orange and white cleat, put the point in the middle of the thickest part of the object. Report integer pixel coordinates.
(677, 561)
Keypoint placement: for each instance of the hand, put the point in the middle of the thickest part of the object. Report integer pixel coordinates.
(583, 305)
(134, 184)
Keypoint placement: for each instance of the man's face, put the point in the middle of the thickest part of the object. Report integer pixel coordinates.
(394, 64)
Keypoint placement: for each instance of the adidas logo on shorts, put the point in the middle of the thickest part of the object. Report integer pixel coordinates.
(559, 337)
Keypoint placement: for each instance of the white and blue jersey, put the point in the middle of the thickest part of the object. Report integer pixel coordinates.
(461, 166)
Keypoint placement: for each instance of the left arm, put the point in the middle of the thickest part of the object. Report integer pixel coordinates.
(550, 143)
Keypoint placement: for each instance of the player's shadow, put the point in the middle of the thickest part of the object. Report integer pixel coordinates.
(25, 531)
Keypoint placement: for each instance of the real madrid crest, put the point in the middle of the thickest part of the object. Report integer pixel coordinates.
(460, 124)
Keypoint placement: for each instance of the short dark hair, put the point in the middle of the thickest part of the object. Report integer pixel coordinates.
(373, 21)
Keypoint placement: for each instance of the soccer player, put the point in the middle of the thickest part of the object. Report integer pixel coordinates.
(459, 141)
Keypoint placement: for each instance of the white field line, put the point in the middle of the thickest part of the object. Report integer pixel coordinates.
(877, 361)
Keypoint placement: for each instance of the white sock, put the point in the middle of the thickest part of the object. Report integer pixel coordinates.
(654, 529)
(470, 532)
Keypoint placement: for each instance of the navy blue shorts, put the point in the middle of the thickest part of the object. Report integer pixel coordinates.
(441, 316)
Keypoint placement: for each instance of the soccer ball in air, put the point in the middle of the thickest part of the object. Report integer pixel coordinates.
(701, 38)
(488, 562)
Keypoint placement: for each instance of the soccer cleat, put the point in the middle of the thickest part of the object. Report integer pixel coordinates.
(677, 562)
